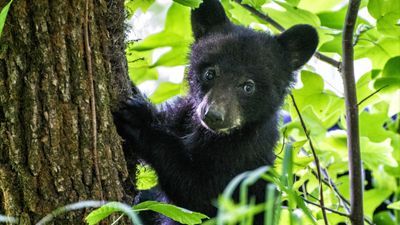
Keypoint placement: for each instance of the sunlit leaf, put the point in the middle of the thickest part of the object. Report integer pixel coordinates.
(106, 210)
(394, 205)
(326, 105)
(177, 31)
(165, 91)
(190, 3)
(389, 24)
(3, 16)
(132, 5)
(241, 15)
(376, 154)
(335, 19)
(372, 126)
(318, 6)
(257, 3)
(290, 15)
(390, 75)
(175, 57)
(146, 177)
(365, 90)
(139, 65)
(101, 213)
(176, 213)
(378, 8)
(384, 218)
(377, 49)
(373, 198)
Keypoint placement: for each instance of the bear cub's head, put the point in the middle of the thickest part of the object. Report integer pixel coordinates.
(238, 76)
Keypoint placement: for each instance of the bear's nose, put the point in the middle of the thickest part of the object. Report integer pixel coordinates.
(213, 116)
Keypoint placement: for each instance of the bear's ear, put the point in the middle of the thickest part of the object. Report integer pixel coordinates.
(300, 42)
(209, 15)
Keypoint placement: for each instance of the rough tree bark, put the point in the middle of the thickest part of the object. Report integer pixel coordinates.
(50, 155)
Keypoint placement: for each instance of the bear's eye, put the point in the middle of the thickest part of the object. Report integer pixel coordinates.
(249, 87)
(209, 75)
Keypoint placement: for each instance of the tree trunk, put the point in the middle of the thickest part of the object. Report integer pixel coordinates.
(58, 83)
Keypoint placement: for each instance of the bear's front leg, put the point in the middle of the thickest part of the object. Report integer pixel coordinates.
(135, 117)
(145, 136)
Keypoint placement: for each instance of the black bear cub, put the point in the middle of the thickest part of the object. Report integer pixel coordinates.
(227, 124)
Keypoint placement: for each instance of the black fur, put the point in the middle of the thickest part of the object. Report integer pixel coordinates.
(195, 162)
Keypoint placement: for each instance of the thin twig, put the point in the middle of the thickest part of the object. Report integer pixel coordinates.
(316, 160)
(353, 138)
(262, 16)
(279, 27)
(138, 59)
(369, 96)
(325, 208)
(341, 197)
(88, 52)
(346, 203)
(367, 220)
(328, 182)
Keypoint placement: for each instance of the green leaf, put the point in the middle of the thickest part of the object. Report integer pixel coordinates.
(165, 91)
(190, 3)
(175, 57)
(384, 218)
(326, 106)
(389, 24)
(139, 65)
(334, 45)
(301, 204)
(293, 2)
(373, 154)
(335, 19)
(146, 177)
(287, 166)
(233, 184)
(373, 198)
(241, 15)
(378, 48)
(177, 31)
(290, 15)
(3, 16)
(257, 3)
(372, 126)
(178, 214)
(132, 5)
(376, 154)
(384, 180)
(101, 213)
(364, 90)
(378, 8)
(390, 76)
(394, 205)
(391, 68)
(318, 6)
(255, 175)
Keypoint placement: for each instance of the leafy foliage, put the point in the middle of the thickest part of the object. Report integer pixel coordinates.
(3, 15)
(321, 104)
(176, 213)
(146, 177)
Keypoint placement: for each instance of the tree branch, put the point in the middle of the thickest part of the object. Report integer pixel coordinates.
(279, 27)
(316, 160)
(353, 140)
